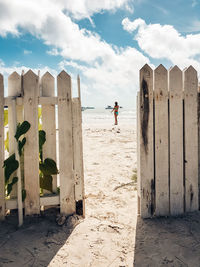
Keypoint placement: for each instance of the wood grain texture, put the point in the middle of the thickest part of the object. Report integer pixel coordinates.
(146, 143)
(49, 122)
(161, 141)
(191, 139)
(31, 148)
(67, 183)
(176, 141)
(14, 90)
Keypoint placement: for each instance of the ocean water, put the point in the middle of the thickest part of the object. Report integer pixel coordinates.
(102, 116)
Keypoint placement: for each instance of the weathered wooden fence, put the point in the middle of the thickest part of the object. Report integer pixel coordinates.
(25, 93)
(167, 138)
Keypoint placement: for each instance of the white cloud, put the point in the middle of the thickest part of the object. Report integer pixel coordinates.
(194, 3)
(27, 52)
(109, 71)
(165, 42)
(114, 77)
(48, 22)
(86, 8)
(132, 26)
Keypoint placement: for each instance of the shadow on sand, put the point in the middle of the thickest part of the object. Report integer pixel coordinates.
(36, 242)
(168, 241)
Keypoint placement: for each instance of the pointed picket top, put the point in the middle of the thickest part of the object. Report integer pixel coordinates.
(14, 76)
(64, 84)
(161, 68)
(31, 83)
(190, 80)
(79, 88)
(146, 68)
(161, 80)
(14, 84)
(64, 75)
(146, 73)
(175, 79)
(146, 79)
(47, 75)
(47, 84)
(175, 69)
(190, 69)
(30, 74)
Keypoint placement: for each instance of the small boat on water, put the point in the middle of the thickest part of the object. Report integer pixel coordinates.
(84, 108)
(109, 107)
(89, 107)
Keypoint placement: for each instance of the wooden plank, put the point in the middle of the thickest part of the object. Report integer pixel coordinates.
(14, 89)
(78, 151)
(49, 125)
(2, 181)
(18, 172)
(67, 197)
(81, 145)
(11, 204)
(53, 100)
(161, 141)
(138, 154)
(50, 200)
(31, 148)
(146, 142)
(176, 141)
(191, 139)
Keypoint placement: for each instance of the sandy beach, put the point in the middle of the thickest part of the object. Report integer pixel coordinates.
(111, 233)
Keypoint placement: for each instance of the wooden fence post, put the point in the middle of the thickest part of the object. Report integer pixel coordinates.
(2, 179)
(191, 139)
(48, 122)
(67, 195)
(78, 152)
(138, 154)
(146, 143)
(18, 172)
(161, 141)
(31, 148)
(176, 141)
(14, 89)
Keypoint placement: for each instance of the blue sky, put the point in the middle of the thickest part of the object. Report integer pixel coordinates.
(106, 42)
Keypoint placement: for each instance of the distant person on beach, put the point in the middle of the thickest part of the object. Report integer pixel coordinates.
(115, 109)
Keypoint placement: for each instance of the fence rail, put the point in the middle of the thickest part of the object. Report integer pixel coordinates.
(30, 92)
(167, 138)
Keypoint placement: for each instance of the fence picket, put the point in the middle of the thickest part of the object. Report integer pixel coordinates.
(191, 139)
(138, 154)
(14, 90)
(176, 141)
(146, 142)
(67, 197)
(49, 122)
(2, 181)
(78, 151)
(31, 149)
(161, 140)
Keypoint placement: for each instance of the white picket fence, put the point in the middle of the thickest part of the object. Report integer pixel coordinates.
(167, 138)
(27, 92)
